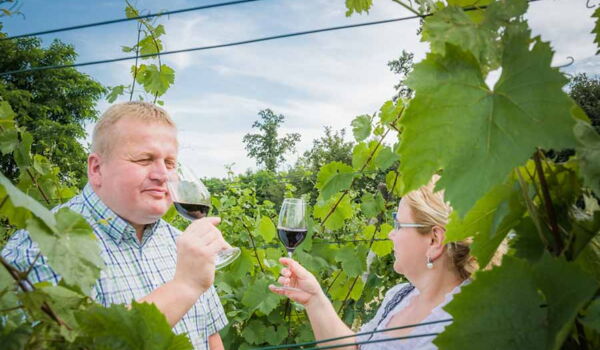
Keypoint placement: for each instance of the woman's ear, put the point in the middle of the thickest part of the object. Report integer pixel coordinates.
(436, 243)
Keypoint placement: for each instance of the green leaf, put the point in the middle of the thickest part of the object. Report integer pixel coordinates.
(502, 307)
(156, 81)
(22, 153)
(336, 219)
(333, 178)
(481, 135)
(150, 46)
(371, 205)
(596, 30)
(475, 34)
(394, 183)
(19, 207)
(358, 6)
(390, 111)
(114, 93)
(588, 150)
(361, 127)
(6, 112)
(258, 298)
(15, 338)
(255, 331)
(527, 242)
(363, 155)
(383, 248)
(73, 239)
(341, 287)
(385, 158)
(489, 221)
(266, 229)
(131, 11)
(353, 259)
(563, 303)
(592, 316)
(142, 326)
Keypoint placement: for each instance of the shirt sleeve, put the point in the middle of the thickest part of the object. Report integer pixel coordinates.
(21, 251)
(217, 319)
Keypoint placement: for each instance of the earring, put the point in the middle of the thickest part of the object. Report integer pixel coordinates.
(429, 263)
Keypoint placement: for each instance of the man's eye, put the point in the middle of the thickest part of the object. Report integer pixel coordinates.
(143, 161)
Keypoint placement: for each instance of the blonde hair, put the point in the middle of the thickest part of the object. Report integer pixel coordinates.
(144, 111)
(429, 208)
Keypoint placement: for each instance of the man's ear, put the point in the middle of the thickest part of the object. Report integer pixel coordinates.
(94, 169)
(436, 244)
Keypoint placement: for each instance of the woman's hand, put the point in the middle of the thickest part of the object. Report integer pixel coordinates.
(296, 276)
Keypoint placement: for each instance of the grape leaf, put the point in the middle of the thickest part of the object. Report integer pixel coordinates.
(142, 326)
(361, 154)
(14, 338)
(371, 205)
(361, 127)
(502, 307)
(266, 229)
(394, 183)
(563, 303)
(155, 81)
(476, 134)
(258, 298)
(390, 111)
(19, 207)
(114, 93)
(72, 251)
(358, 6)
(588, 150)
(383, 248)
(489, 221)
(592, 316)
(333, 178)
(341, 213)
(385, 158)
(353, 259)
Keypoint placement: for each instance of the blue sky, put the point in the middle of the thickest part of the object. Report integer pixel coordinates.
(315, 81)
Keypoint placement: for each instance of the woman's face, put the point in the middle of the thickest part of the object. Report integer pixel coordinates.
(410, 246)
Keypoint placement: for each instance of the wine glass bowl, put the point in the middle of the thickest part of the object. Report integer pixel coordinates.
(192, 201)
(291, 226)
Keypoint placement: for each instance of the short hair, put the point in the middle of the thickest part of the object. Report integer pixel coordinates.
(429, 208)
(140, 110)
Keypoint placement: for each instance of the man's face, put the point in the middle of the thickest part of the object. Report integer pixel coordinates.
(132, 178)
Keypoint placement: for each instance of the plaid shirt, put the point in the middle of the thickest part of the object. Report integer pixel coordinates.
(133, 268)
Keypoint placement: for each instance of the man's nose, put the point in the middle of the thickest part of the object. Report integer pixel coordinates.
(159, 172)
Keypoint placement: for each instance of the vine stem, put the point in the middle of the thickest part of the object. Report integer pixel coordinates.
(377, 227)
(254, 247)
(17, 276)
(361, 170)
(137, 53)
(558, 244)
(408, 8)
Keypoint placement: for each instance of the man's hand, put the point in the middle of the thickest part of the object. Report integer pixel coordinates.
(196, 251)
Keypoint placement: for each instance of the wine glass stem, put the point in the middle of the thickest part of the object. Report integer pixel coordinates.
(290, 253)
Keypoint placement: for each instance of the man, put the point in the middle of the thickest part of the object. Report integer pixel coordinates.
(134, 149)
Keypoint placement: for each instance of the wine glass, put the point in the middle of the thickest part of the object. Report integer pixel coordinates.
(192, 200)
(291, 226)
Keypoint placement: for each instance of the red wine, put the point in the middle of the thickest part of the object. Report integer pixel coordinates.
(192, 211)
(291, 237)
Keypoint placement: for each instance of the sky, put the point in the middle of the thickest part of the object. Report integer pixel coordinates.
(315, 81)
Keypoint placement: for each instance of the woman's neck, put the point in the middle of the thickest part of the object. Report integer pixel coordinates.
(436, 283)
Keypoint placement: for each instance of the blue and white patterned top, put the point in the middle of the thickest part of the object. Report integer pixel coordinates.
(417, 343)
(133, 268)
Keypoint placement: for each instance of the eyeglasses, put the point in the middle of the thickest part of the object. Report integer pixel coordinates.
(398, 225)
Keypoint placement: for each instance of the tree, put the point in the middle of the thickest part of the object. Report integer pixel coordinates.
(586, 92)
(53, 105)
(266, 147)
(328, 148)
(402, 66)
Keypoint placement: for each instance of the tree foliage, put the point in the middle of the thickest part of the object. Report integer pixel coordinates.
(266, 146)
(53, 105)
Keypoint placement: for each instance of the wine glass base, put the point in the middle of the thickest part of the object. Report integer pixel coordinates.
(291, 289)
(226, 257)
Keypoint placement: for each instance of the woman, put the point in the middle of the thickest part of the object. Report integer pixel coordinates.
(436, 271)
